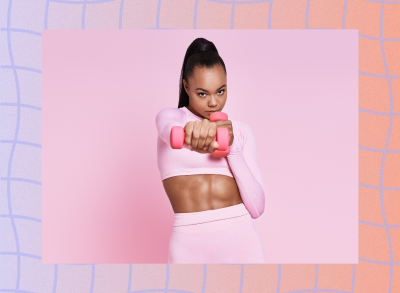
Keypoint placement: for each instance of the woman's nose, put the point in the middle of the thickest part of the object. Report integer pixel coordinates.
(212, 102)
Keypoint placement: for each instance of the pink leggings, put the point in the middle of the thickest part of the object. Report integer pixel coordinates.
(225, 235)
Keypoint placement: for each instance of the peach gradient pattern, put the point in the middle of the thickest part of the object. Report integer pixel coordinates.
(21, 24)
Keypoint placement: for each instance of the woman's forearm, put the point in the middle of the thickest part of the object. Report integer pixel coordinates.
(251, 191)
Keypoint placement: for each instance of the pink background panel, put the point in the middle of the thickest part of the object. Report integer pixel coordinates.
(103, 199)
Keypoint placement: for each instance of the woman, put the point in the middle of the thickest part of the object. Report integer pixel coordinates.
(214, 199)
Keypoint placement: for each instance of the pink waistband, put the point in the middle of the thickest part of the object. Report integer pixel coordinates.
(235, 211)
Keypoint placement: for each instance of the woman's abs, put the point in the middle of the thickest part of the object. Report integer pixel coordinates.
(201, 192)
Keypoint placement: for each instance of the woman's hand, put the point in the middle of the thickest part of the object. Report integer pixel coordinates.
(200, 134)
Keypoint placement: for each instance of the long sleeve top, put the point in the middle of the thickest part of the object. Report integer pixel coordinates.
(241, 163)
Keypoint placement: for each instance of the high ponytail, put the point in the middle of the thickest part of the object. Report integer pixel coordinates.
(201, 53)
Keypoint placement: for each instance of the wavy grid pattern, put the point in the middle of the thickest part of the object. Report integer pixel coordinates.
(21, 23)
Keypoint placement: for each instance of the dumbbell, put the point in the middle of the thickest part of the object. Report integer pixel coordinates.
(177, 137)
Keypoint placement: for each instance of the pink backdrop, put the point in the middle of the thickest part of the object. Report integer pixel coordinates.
(103, 200)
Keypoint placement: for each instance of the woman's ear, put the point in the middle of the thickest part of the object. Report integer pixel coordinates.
(186, 87)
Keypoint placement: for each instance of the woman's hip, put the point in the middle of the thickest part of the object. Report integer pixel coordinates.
(224, 235)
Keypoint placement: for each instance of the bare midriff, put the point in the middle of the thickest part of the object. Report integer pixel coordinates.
(201, 192)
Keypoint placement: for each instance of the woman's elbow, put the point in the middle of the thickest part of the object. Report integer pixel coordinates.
(260, 204)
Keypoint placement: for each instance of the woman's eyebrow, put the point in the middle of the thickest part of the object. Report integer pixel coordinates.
(199, 88)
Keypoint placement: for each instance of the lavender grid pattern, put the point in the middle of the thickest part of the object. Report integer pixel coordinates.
(20, 153)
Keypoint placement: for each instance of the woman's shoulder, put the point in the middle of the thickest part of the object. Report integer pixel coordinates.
(240, 126)
(171, 112)
(241, 130)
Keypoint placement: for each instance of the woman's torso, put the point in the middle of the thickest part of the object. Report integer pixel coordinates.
(195, 193)
(197, 182)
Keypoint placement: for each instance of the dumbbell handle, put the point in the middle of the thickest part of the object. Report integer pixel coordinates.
(177, 137)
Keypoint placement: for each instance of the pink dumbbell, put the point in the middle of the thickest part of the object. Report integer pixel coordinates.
(177, 137)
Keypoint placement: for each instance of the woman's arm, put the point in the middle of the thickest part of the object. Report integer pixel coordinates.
(247, 174)
(165, 119)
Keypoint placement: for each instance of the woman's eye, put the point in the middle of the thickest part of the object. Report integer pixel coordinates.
(205, 94)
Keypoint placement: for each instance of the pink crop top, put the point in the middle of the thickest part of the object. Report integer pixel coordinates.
(241, 163)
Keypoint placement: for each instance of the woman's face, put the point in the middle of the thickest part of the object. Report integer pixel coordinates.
(207, 90)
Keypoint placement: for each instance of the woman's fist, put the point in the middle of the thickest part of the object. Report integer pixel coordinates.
(200, 135)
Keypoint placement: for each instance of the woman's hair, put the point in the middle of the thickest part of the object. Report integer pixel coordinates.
(201, 53)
